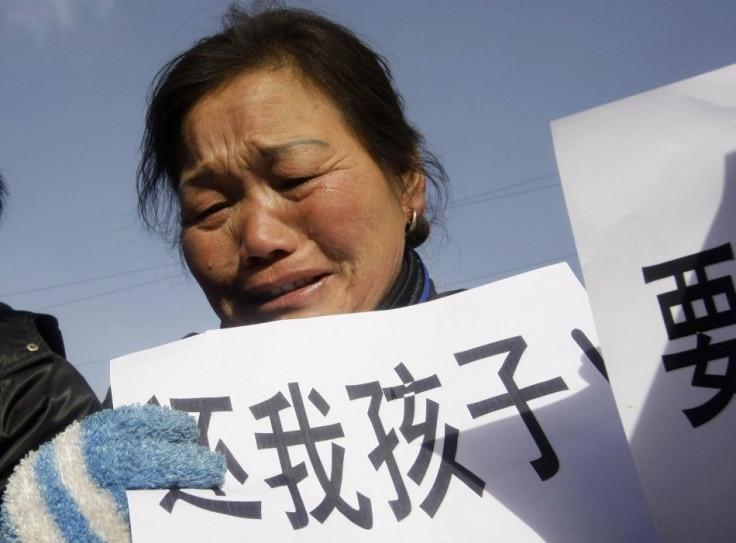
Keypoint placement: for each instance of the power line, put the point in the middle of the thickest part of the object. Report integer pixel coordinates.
(481, 196)
(510, 186)
(507, 270)
(108, 292)
(81, 281)
(91, 362)
(501, 196)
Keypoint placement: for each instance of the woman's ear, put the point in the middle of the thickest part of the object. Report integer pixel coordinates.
(413, 196)
(414, 205)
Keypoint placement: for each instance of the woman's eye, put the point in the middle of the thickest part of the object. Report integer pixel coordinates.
(196, 218)
(213, 209)
(294, 182)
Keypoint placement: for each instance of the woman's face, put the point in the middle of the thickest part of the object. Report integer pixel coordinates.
(284, 212)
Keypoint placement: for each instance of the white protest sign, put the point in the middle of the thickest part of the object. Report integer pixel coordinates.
(479, 414)
(650, 185)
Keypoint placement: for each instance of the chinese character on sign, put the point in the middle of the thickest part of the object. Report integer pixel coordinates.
(383, 453)
(308, 436)
(204, 407)
(547, 464)
(704, 304)
(428, 431)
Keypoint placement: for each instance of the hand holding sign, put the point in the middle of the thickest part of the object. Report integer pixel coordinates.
(83, 474)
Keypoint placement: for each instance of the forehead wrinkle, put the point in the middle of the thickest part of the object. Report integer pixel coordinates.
(216, 152)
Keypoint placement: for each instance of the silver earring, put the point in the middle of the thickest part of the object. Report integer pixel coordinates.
(412, 224)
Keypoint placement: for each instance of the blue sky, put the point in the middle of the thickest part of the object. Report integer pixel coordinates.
(481, 79)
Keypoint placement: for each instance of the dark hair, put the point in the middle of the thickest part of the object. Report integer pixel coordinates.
(331, 56)
(3, 192)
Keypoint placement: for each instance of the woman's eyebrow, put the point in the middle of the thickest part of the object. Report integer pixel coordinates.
(274, 150)
(199, 178)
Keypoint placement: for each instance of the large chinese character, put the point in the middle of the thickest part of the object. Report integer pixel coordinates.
(308, 436)
(204, 407)
(705, 304)
(449, 467)
(700, 357)
(547, 464)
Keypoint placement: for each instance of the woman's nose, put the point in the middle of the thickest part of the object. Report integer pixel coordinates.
(267, 233)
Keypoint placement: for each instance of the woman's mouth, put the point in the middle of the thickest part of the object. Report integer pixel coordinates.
(275, 292)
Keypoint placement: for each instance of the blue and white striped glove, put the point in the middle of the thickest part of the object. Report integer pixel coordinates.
(73, 487)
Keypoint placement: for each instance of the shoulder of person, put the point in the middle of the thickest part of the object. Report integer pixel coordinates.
(26, 337)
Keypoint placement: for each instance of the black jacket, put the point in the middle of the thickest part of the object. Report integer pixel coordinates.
(40, 391)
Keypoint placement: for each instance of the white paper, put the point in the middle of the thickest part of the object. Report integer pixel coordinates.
(648, 180)
(593, 494)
